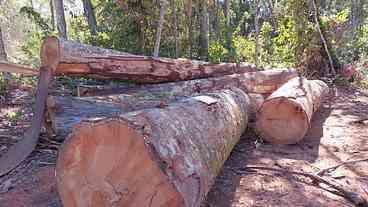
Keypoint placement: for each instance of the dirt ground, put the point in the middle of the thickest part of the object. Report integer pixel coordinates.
(336, 136)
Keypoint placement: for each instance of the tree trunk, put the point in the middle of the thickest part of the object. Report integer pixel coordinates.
(52, 11)
(60, 18)
(4, 58)
(65, 112)
(256, 25)
(285, 116)
(91, 18)
(227, 23)
(190, 29)
(204, 31)
(71, 58)
(323, 39)
(175, 25)
(160, 26)
(272, 15)
(155, 157)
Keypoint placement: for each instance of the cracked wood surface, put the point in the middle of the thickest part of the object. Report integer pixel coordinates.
(154, 157)
(72, 58)
(285, 115)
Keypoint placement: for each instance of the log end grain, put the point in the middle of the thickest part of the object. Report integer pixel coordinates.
(110, 164)
(50, 52)
(282, 121)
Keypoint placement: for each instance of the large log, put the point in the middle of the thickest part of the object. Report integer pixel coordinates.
(64, 112)
(72, 58)
(16, 68)
(154, 157)
(285, 116)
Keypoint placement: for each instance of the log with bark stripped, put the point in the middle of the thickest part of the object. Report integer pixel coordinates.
(16, 68)
(155, 157)
(64, 112)
(71, 58)
(285, 116)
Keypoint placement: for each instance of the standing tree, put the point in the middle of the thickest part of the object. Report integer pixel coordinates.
(60, 18)
(190, 28)
(156, 50)
(227, 22)
(4, 57)
(91, 19)
(204, 31)
(256, 25)
(52, 15)
(175, 25)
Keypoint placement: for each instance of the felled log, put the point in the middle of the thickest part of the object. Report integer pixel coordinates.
(16, 68)
(64, 112)
(285, 116)
(154, 157)
(72, 58)
(263, 82)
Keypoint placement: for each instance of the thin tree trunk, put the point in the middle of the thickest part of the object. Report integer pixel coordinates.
(60, 18)
(4, 57)
(190, 29)
(204, 31)
(156, 51)
(52, 15)
(216, 23)
(256, 25)
(227, 22)
(91, 18)
(272, 15)
(175, 25)
(324, 42)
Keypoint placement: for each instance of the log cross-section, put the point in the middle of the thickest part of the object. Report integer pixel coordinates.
(162, 157)
(285, 116)
(72, 58)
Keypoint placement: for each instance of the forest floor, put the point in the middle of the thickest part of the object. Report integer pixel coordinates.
(336, 136)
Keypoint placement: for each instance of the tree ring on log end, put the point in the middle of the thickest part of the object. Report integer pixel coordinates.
(50, 52)
(282, 121)
(109, 164)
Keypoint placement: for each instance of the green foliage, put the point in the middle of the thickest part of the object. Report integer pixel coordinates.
(217, 52)
(13, 116)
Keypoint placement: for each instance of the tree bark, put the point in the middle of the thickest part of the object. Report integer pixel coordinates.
(204, 31)
(71, 58)
(65, 112)
(52, 12)
(60, 18)
(323, 39)
(91, 18)
(15, 68)
(227, 23)
(155, 157)
(190, 29)
(160, 26)
(175, 25)
(4, 58)
(256, 25)
(285, 116)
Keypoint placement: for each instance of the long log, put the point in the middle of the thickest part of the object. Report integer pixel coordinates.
(72, 58)
(16, 68)
(166, 157)
(285, 116)
(64, 112)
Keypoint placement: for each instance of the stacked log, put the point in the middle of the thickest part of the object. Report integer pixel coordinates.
(72, 58)
(285, 116)
(65, 112)
(155, 157)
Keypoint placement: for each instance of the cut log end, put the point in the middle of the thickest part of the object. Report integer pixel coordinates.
(50, 52)
(282, 121)
(110, 164)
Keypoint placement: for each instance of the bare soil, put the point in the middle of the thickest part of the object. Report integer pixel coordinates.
(337, 135)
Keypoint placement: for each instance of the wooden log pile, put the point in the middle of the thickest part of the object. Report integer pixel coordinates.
(162, 143)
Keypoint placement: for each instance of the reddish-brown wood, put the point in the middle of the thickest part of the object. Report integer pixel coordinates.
(284, 117)
(71, 58)
(163, 157)
(64, 112)
(15, 68)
